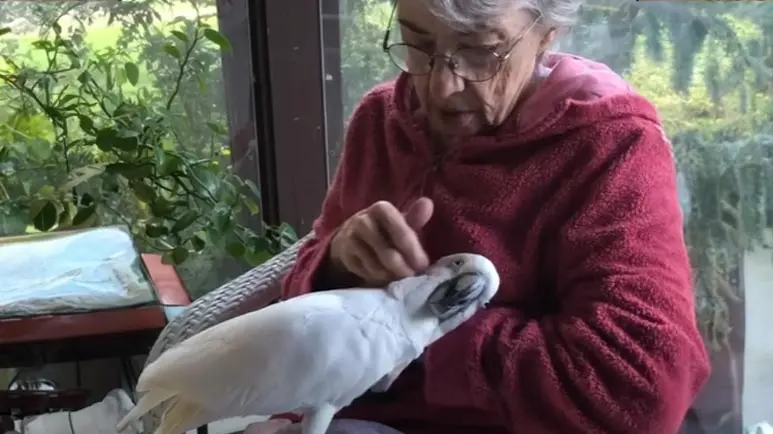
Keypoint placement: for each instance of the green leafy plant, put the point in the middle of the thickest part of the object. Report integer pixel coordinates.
(730, 180)
(83, 142)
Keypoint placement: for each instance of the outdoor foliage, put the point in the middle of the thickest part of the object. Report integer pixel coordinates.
(89, 136)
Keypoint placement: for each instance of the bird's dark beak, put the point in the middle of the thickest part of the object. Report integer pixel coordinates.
(456, 294)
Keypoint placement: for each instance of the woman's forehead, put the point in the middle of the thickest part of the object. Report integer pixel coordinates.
(416, 16)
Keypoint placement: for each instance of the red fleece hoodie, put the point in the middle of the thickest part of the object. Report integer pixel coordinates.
(574, 200)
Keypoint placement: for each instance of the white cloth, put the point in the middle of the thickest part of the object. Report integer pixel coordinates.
(99, 418)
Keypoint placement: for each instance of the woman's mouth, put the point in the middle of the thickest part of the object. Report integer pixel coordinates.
(456, 118)
(454, 122)
(455, 115)
(454, 112)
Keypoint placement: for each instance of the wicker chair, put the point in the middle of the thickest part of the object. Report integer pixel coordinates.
(248, 292)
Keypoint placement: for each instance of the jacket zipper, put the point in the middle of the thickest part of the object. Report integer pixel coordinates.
(426, 185)
(436, 166)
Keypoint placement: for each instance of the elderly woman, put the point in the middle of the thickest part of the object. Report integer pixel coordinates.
(559, 172)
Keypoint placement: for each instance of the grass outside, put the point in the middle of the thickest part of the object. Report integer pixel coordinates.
(100, 36)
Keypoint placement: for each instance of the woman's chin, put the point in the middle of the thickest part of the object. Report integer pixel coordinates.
(457, 125)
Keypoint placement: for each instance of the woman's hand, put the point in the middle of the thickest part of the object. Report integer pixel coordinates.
(380, 244)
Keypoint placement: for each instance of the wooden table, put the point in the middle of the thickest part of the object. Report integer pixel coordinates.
(116, 333)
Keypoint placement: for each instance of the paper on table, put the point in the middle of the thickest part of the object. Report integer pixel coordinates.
(71, 272)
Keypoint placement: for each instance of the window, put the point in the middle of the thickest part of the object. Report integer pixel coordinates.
(137, 113)
(707, 67)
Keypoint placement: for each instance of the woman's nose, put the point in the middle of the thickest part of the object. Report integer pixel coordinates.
(442, 81)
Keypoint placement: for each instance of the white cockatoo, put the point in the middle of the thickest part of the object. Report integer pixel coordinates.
(313, 354)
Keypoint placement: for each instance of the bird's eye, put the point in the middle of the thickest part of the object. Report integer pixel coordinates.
(457, 263)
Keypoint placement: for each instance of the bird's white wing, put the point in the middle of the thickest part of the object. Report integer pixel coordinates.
(351, 352)
(325, 347)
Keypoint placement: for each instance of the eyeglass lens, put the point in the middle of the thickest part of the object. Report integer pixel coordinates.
(471, 64)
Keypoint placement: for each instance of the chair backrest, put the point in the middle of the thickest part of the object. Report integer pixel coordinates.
(248, 292)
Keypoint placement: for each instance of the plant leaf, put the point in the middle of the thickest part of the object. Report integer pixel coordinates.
(13, 223)
(129, 170)
(66, 215)
(257, 256)
(218, 38)
(217, 128)
(84, 216)
(222, 220)
(198, 243)
(286, 236)
(66, 99)
(162, 208)
(251, 205)
(235, 249)
(126, 141)
(175, 257)
(132, 72)
(161, 160)
(253, 188)
(184, 222)
(46, 192)
(155, 229)
(81, 175)
(4, 30)
(143, 192)
(205, 181)
(86, 123)
(180, 35)
(47, 217)
(172, 50)
(105, 138)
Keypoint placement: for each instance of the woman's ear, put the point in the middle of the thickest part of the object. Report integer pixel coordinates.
(547, 40)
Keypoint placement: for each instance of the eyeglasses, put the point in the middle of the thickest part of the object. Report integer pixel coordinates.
(472, 64)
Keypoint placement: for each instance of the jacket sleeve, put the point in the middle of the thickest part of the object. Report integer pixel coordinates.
(341, 202)
(623, 353)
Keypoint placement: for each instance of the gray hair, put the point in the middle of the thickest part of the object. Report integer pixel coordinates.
(469, 15)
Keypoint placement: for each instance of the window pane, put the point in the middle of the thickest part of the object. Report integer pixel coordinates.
(363, 63)
(115, 113)
(706, 78)
(707, 67)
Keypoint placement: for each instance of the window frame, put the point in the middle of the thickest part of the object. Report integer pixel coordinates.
(297, 106)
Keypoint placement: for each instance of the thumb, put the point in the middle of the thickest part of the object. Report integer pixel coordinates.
(418, 214)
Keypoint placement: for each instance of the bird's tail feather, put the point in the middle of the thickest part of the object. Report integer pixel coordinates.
(150, 400)
(178, 416)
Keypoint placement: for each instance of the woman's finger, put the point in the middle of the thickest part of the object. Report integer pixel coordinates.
(388, 256)
(418, 214)
(401, 236)
(363, 261)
